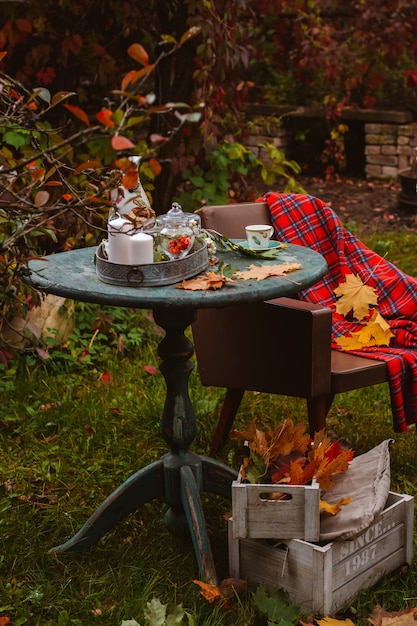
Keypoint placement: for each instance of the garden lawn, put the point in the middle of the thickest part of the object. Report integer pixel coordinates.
(74, 427)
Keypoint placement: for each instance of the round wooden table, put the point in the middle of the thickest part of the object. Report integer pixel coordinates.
(180, 476)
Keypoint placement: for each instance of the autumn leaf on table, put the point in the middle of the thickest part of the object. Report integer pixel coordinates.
(264, 271)
(356, 297)
(210, 280)
(376, 332)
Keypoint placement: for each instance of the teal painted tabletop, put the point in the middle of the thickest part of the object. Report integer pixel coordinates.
(72, 275)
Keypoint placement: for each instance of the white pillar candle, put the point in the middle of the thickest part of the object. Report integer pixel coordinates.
(140, 249)
(118, 248)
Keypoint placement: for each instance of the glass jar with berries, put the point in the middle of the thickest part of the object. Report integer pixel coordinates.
(176, 237)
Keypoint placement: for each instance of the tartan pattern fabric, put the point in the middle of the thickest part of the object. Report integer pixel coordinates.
(307, 221)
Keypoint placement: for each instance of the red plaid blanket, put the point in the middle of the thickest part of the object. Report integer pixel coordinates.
(307, 221)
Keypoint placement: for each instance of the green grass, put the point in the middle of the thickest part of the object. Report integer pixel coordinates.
(68, 439)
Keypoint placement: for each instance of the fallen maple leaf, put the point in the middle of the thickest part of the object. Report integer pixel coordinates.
(228, 588)
(356, 297)
(150, 369)
(331, 621)
(208, 591)
(376, 332)
(265, 271)
(210, 280)
(405, 617)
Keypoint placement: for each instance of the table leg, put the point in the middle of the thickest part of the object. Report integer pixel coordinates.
(141, 487)
(180, 476)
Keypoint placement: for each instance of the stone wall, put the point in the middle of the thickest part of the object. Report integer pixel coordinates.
(388, 148)
(388, 138)
(267, 131)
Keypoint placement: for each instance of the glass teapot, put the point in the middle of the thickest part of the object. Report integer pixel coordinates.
(177, 234)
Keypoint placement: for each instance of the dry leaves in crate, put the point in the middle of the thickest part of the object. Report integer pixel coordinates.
(286, 455)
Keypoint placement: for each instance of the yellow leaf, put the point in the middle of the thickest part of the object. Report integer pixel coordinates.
(331, 621)
(333, 509)
(356, 297)
(261, 272)
(376, 332)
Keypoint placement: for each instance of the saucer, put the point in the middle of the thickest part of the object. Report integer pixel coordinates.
(272, 245)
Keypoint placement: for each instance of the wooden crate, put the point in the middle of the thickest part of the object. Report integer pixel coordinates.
(257, 516)
(324, 578)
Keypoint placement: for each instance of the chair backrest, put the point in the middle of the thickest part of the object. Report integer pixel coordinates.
(244, 347)
(230, 219)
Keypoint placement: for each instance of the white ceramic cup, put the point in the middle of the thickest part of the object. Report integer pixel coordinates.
(258, 236)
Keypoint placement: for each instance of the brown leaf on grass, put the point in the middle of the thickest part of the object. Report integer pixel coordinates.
(210, 280)
(230, 587)
(264, 271)
(356, 297)
(376, 332)
(405, 617)
(39, 500)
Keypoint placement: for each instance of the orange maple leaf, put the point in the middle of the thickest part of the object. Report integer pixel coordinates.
(208, 591)
(329, 467)
(210, 280)
(288, 437)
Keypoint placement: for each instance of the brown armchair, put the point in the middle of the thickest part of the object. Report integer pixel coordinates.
(282, 346)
